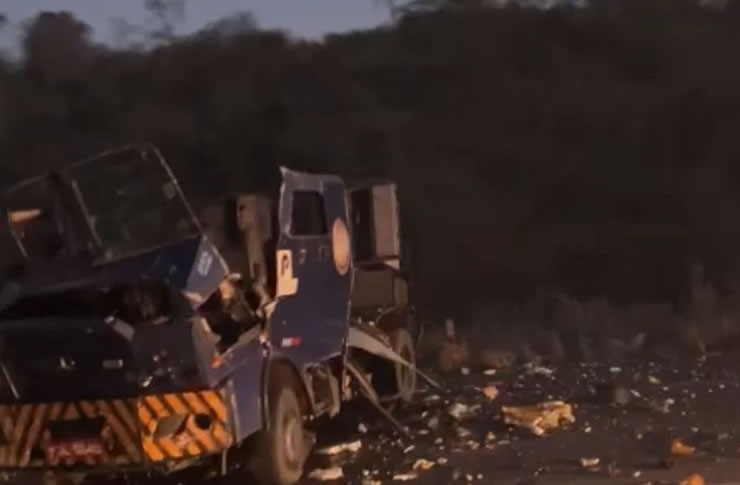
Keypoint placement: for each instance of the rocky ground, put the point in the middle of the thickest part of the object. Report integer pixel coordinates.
(635, 422)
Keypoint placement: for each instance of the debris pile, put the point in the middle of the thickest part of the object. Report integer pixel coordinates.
(539, 418)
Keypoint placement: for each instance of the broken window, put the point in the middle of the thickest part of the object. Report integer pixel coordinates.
(308, 216)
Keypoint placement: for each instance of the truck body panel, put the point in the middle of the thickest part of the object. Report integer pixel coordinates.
(152, 350)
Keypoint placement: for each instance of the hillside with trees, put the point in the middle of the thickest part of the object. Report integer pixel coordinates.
(590, 149)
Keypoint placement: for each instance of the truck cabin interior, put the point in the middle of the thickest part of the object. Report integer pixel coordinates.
(243, 229)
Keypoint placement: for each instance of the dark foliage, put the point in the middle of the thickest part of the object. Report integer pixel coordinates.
(593, 149)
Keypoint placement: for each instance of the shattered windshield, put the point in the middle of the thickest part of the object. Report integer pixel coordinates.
(132, 201)
(34, 227)
(122, 202)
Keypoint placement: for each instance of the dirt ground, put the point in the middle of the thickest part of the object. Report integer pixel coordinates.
(626, 414)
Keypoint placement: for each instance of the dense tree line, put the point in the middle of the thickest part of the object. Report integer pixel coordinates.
(593, 149)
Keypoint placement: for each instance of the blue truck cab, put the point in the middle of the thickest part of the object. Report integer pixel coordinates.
(138, 335)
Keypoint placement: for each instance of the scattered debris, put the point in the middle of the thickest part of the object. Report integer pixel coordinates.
(540, 370)
(432, 398)
(404, 477)
(362, 428)
(679, 448)
(489, 372)
(539, 418)
(465, 371)
(369, 481)
(327, 474)
(490, 437)
(490, 392)
(409, 449)
(694, 479)
(433, 423)
(653, 380)
(663, 407)
(589, 462)
(458, 410)
(463, 432)
(351, 447)
(422, 464)
(441, 460)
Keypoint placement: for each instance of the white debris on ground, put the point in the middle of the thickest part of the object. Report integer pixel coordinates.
(539, 418)
(458, 410)
(481, 402)
(352, 447)
(589, 462)
(422, 464)
(327, 474)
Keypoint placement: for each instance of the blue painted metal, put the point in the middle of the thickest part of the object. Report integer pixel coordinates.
(318, 314)
(245, 390)
(192, 264)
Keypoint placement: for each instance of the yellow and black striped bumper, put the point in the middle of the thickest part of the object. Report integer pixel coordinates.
(131, 432)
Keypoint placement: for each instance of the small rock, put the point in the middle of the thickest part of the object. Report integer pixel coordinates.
(362, 428)
(489, 372)
(441, 460)
(465, 371)
(653, 380)
(409, 449)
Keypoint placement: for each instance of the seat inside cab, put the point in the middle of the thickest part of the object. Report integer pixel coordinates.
(244, 230)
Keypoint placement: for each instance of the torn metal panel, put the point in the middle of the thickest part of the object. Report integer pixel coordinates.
(367, 390)
(360, 339)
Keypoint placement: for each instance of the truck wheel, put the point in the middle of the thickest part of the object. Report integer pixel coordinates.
(405, 378)
(285, 447)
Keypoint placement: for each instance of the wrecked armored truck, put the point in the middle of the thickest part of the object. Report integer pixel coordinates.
(136, 336)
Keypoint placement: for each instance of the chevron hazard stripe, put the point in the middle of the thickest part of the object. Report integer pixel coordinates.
(183, 425)
(26, 429)
(125, 431)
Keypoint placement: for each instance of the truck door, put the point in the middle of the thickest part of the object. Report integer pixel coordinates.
(314, 268)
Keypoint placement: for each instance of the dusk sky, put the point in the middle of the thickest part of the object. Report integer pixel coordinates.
(306, 18)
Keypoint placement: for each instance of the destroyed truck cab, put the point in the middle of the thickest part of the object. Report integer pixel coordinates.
(136, 336)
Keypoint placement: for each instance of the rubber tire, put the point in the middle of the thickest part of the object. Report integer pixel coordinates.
(273, 466)
(403, 344)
